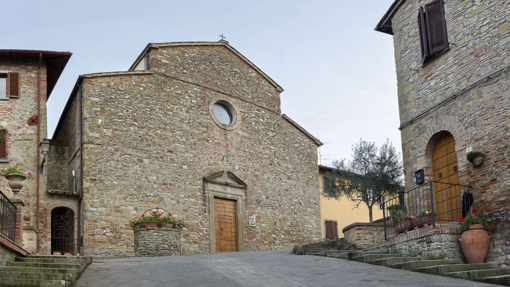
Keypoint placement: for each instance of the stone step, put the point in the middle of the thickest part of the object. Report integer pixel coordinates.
(412, 265)
(478, 274)
(442, 269)
(46, 265)
(367, 258)
(500, 280)
(28, 270)
(37, 275)
(71, 260)
(393, 260)
(348, 255)
(17, 282)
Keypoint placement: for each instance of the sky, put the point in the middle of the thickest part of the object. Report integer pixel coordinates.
(338, 74)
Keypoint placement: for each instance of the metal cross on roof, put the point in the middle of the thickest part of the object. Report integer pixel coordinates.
(222, 37)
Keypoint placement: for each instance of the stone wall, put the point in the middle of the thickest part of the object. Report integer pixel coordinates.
(9, 250)
(150, 140)
(430, 242)
(364, 235)
(157, 241)
(22, 141)
(463, 91)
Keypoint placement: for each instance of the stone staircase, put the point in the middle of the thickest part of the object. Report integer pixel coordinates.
(485, 272)
(40, 270)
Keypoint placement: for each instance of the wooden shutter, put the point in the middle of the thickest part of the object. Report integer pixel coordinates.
(13, 85)
(335, 229)
(329, 229)
(3, 146)
(423, 36)
(436, 27)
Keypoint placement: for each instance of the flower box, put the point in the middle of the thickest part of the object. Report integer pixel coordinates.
(403, 226)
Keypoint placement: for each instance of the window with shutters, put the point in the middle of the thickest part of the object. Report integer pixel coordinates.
(331, 228)
(3, 145)
(9, 85)
(432, 28)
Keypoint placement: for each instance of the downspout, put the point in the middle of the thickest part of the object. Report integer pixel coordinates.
(80, 239)
(38, 150)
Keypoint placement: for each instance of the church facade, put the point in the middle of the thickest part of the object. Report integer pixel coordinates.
(194, 128)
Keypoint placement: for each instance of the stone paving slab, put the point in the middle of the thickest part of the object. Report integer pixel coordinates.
(262, 268)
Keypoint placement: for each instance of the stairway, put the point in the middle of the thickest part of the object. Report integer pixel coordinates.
(41, 270)
(485, 272)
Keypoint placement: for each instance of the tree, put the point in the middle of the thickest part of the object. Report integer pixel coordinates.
(371, 174)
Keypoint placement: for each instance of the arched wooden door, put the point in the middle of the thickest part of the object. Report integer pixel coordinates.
(446, 176)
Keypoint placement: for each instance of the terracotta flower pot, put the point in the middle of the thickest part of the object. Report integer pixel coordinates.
(151, 224)
(167, 225)
(403, 226)
(478, 161)
(422, 220)
(15, 181)
(475, 243)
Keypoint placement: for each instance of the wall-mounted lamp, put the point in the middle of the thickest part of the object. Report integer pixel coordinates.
(45, 148)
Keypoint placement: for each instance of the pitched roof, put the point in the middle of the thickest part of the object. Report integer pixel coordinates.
(301, 129)
(219, 43)
(384, 24)
(55, 63)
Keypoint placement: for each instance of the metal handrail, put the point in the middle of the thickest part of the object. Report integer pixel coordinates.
(8, 214)
(427, 204)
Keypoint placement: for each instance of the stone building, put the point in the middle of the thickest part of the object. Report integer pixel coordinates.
(192, 127)
(452, 63)
(27, 78)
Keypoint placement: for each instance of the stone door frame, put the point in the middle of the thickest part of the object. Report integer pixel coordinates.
(227, 192)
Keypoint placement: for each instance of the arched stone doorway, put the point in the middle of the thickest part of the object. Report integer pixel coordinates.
(446, 177)
(62, 231)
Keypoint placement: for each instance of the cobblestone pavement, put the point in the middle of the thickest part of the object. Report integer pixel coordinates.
(263, 268)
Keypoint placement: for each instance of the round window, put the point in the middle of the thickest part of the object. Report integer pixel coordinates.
(224, 113)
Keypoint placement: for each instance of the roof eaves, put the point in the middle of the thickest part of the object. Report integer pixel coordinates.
(384, 24)
(301, 129)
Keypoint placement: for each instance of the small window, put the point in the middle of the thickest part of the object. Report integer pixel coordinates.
(224, 113)
(3, 144)
(432, 27)
(3, 85)
(331, 229)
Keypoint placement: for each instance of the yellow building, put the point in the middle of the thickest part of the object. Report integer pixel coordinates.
(338, 213)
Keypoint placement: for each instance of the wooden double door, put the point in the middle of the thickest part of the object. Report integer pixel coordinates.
(446, 177)
(225, 225)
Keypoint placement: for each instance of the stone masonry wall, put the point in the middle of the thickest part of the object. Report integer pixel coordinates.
(149, 140)
(364, 235)
(472, 78)
(157, 241)
(22, 140)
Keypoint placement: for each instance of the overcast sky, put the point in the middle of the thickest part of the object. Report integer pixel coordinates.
(337, 72)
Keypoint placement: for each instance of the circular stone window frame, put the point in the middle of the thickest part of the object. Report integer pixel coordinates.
(230, 104)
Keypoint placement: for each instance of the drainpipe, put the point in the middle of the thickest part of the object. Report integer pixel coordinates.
(38, 150)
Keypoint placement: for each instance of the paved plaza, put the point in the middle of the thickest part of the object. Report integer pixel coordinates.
(263, 268)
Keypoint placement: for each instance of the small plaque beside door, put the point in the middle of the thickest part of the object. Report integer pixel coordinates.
(252, 220)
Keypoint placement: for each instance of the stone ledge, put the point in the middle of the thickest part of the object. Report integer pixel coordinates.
(62, 192)
(9, 244)
(356, 224)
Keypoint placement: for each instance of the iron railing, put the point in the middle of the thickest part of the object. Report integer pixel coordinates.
(8, 214)
(430, 203)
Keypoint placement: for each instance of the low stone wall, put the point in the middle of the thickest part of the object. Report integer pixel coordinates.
(430, 242)
(364, 235)
(9, 250)
(157, 241)
(337, 244)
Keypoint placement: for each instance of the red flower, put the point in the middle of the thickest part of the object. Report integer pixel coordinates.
(143, 215)
(29, 173)
(492, 225)
(154, 212)
(462, 219)
(474, 210)
(169, 214)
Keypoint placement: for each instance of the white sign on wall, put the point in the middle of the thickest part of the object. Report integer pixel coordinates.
(252, 220)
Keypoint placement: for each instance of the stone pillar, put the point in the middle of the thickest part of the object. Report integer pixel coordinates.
(19, 219)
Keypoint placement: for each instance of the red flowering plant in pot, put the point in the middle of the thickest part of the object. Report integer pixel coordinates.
(475, 239)
(156, 217)
(15, 176)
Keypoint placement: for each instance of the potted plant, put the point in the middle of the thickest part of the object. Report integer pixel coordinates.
(15, 176)
(476, 158)
(425, 217)
(156, 218)
(475, 239)
(399, 218)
